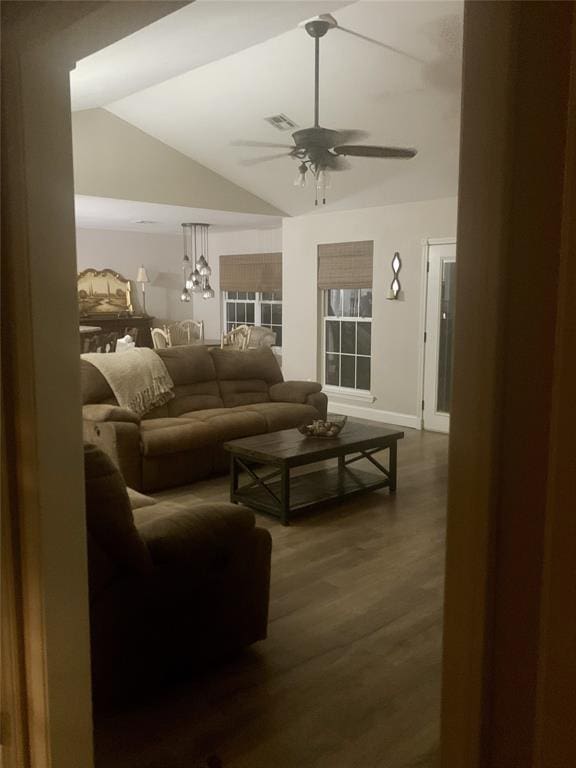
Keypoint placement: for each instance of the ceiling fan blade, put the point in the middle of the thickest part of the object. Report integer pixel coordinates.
(335, 163)
(348, 135)
(258, 160)
(242, 143)
(381, 44)
(359, 150)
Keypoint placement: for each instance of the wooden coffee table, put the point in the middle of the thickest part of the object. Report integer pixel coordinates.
(268, 459)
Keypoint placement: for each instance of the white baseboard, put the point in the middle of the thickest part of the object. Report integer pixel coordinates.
(373, 414)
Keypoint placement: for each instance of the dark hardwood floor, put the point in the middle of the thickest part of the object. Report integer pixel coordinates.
(349, 676)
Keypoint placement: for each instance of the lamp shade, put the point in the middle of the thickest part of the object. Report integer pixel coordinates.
(142, 276)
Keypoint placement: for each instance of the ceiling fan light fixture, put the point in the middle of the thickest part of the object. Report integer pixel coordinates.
(323, 180)
(300, 180)
(319, 149)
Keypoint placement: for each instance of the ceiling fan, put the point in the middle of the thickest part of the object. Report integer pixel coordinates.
(318, 149)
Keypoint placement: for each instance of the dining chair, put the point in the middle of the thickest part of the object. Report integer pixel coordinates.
(186, 332)
(160, 338)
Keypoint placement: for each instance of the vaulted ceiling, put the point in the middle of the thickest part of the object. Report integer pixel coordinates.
(209, 74)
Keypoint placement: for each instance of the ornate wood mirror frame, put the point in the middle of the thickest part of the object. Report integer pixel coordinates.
(103, 292)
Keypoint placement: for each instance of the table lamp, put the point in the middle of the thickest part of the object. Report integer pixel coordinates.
(142, 278)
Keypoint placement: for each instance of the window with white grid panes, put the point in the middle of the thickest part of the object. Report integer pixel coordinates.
(347, 338)
(254, 308)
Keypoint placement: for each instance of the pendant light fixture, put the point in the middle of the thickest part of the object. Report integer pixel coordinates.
(185, 295)
(196, 268)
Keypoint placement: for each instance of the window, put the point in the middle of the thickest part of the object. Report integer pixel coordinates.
(347, 339)
(254, 308)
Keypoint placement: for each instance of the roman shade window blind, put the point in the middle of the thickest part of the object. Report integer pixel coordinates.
(254, 272)
(345, 265)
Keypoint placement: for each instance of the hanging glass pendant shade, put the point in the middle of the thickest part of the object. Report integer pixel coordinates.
(208, 292)
(186, 267)
(196, 269)
(196, 282)
(203, 267)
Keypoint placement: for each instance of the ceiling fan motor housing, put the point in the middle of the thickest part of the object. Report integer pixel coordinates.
(319, 25)
(321, 138)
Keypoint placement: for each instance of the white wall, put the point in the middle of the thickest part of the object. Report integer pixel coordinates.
(114, 159)
(162, 256)
(396, 325)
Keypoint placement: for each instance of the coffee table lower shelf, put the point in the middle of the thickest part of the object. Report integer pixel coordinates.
(308, 491)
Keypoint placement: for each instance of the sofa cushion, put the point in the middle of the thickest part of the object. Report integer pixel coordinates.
(194, 375)
(189, 397)
(164, 436)
(251, 364)
(188, 364)
(245, 377)
(231, 423)
(284, 415)
(244, 392)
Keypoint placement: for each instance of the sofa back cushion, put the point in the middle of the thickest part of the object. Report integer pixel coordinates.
(115, 546)
(195, 387)
(94, 386)
(245, 377)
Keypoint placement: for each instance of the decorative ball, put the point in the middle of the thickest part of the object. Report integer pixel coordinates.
(320, 428)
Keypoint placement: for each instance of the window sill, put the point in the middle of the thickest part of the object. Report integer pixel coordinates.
(349, 394)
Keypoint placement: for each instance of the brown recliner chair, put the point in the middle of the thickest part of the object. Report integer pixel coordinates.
(171, 586)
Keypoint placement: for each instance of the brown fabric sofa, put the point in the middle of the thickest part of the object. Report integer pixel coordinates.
(220, 395)
(171, 586)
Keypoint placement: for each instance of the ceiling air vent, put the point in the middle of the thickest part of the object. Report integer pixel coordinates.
(281, 122)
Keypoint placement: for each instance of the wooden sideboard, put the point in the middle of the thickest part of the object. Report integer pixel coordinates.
(123, 325)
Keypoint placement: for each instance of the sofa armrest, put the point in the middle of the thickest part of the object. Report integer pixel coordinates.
(197, 538)
(293, 391)
(319, 401)
(102, 412)
(213, 568)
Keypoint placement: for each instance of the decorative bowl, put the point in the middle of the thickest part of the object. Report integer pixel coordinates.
(324, 429)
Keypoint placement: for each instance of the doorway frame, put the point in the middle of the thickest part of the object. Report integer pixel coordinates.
(426, 243)
(46, 716)
(476, 643)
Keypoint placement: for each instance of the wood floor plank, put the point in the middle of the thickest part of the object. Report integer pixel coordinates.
(350, 673)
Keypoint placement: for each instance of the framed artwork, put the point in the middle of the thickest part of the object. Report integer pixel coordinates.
(103, 292)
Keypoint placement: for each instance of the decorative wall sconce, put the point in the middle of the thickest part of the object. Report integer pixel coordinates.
(395, 287)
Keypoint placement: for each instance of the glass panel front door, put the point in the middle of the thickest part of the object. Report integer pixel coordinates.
(438, 348)
(446, 333)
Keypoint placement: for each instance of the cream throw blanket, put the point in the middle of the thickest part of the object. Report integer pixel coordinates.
(138, 378)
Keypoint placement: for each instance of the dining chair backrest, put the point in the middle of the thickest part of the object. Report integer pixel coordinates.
(160, 338)
(237, 338)
(261, 337)
(102, 341)
(186, 332)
